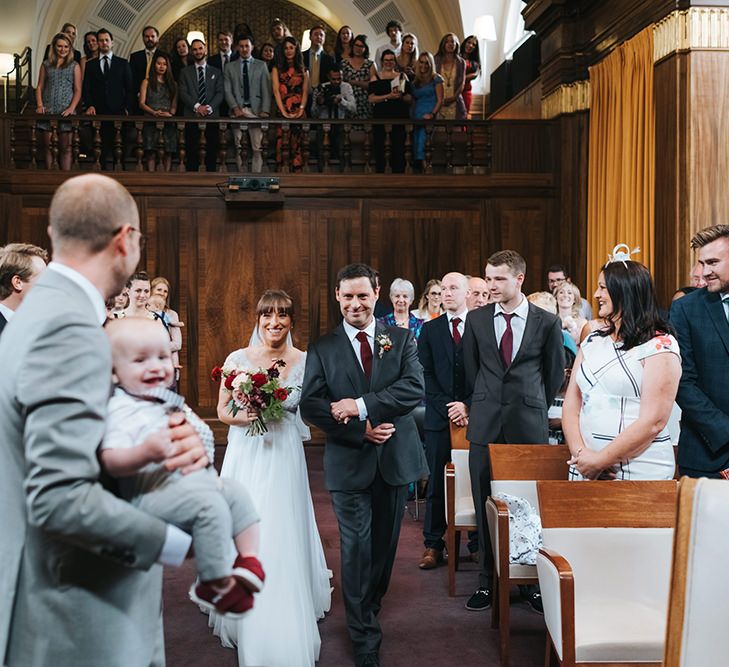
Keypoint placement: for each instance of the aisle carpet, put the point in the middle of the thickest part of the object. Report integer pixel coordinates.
(422, 625)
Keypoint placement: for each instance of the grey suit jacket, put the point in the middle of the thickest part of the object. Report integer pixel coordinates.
(78, 584)
(260, 83)
(395, 389)
(187, 89)
(511, 402)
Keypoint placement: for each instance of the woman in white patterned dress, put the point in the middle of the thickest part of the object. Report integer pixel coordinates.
(281, 629)
(618, 404)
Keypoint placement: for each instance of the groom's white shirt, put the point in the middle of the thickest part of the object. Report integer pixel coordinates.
(352, 335)
(177, 542)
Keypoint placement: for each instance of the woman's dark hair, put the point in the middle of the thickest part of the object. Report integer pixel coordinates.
(280, 56)
(388, 52)
(631, 290)
(363, 39)
(339, 46)
(475, 55)
(168, 78)
(242, 29)
(352, 271)
(87, 50)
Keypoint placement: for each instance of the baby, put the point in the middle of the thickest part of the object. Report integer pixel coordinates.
(135, 447)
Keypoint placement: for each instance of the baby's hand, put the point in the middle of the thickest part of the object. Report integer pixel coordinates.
(158, 446)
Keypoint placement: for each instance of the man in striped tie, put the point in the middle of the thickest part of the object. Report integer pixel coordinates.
(514, 362)
(201, 92)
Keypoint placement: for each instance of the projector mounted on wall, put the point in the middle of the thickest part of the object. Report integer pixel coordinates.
(252, 184)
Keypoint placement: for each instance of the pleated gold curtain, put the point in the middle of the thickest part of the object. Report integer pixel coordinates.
(621, 176)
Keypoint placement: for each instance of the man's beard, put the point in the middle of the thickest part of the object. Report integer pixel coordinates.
(718, 286)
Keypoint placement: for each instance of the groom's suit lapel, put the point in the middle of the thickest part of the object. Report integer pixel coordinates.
(718, 316)
(352, 366)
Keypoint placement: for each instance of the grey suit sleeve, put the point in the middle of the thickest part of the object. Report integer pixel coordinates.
(316, 401)
(711, 423)
(229, 86)
(186, 93)
(216, 98)
(64, 425)
(403, 395)
(267, 91)
(553, 361)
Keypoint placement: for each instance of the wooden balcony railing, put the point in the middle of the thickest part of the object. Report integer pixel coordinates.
(329, 146)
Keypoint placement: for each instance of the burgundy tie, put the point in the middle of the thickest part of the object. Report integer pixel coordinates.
(365, 353)
(456, 334)
(507, 341)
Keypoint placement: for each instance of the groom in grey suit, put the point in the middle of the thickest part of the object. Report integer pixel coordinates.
(361, 384)
(78, 584)
(248, 94)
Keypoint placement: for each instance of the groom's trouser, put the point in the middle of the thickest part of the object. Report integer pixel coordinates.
(369, 528)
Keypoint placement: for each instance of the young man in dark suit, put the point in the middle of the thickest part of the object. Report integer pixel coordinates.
(514, 360)
(701, 322)
(361, 384)
(142, 61)
(222, 59)
(441, 354)
(107, 88)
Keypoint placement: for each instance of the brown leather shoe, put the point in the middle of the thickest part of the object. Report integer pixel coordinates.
(431, 559)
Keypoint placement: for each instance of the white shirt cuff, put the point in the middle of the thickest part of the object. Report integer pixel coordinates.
(195, 106)
(177, 544)
(362, 408)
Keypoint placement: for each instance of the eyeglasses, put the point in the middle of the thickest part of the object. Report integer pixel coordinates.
(434, 293)
(359, 44)
(142, 237)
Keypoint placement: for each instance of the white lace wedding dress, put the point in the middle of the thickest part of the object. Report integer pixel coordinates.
(281, 630)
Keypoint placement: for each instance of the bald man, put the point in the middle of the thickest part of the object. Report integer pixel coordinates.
(478, 293)
(80, 582)
(441, 355)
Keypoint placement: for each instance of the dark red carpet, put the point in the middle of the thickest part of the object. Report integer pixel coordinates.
(422, 625)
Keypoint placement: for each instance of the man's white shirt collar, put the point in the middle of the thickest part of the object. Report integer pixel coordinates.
(6, 312)
(97, 301)
(522, 310)
(353, 331)
(107, 55)
(462, 315)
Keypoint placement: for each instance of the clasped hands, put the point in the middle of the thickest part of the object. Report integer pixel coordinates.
(591, 464)
(345, 409)
(458, 413)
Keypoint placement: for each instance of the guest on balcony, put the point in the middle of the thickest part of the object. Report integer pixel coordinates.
(91, 50)
(453, 70)
(68, 29)
(343, 44)
(142, 61)
(290, 82)
(333, 99)
(428, 95)
(408, 58)
(358, 71)
(180, 57)
(390, 96)
(58, 92)
(268, 55)
(470, 54)
(201, 91)
(158, 98)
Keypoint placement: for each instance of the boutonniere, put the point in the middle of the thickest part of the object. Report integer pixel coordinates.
(383, 340)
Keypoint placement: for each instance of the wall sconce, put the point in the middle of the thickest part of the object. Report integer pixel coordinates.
(305, 40)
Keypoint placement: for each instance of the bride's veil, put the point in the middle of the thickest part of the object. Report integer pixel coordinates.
(255, 339)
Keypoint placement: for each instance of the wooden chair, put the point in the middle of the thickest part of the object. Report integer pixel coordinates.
(699, 598)
(514, 470)
(604, 570)
(460, 510)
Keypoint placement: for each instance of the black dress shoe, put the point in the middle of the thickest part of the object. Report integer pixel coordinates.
(480, 600)
(534, 600)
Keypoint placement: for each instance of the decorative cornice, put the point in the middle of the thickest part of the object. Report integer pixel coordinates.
(568, 98)
(702, 28)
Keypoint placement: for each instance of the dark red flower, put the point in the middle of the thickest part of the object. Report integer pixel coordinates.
(259, 379)
(280, 394)
(229, 381)
(216, 374)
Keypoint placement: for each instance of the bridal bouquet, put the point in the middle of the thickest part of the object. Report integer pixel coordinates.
(259, 390)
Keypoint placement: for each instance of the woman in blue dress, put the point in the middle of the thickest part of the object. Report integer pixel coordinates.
(402, 295)
(427, 91)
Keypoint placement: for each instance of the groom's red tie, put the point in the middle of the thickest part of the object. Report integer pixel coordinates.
(507, 341)
(365, 353)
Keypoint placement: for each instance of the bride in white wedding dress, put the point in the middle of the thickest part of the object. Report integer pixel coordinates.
(281, 629)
